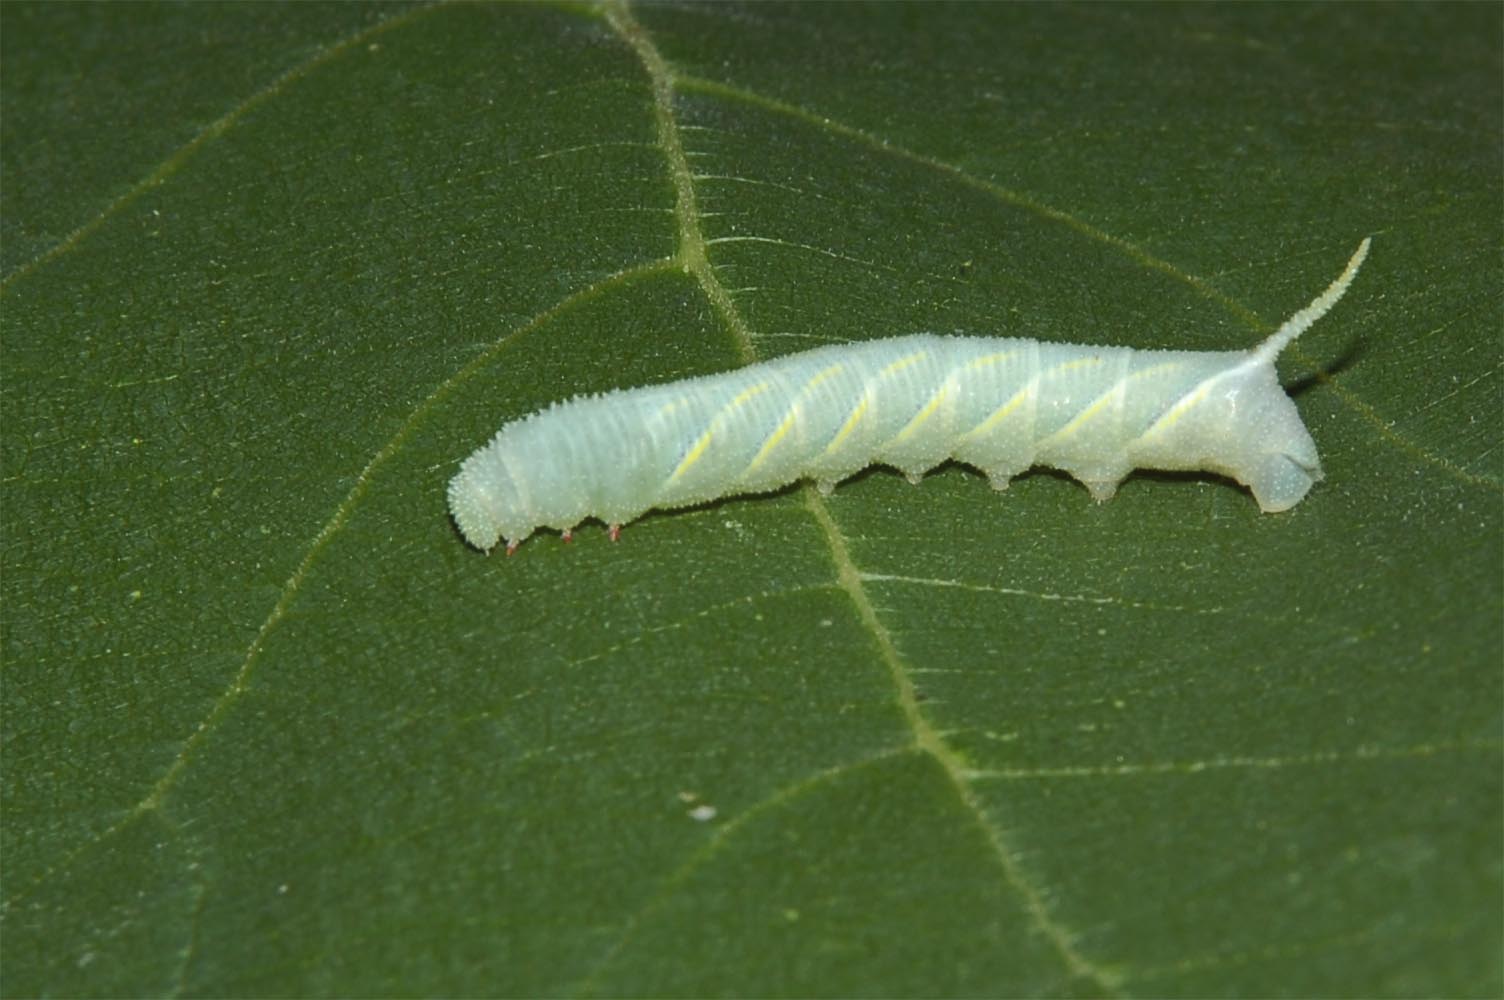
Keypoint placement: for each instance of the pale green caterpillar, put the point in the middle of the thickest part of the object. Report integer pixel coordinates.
(1001, 405)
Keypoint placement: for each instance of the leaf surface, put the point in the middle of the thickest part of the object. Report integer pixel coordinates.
(269, 272)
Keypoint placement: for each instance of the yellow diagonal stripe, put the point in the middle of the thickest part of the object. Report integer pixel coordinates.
(1030, 387)
(694, 456)
(861, 410)
(792, 417)
(703, 441)
(778, 435)
(1001, 413)
(991, 359)
(1082, 418)
(849, 425)
(902, 363)
(827, 373)
(923, 415)
(1095, 361)
(741, 398)
(1180, 409)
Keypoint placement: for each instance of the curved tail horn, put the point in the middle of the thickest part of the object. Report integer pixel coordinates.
(1293, 327)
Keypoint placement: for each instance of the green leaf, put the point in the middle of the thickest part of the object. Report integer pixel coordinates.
(270, 727)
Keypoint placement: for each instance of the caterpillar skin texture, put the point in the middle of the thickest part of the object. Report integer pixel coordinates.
(1000, 405)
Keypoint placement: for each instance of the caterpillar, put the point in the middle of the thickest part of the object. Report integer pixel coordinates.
(912, 402)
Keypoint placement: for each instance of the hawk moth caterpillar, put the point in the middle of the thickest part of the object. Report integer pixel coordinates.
(1001, 405)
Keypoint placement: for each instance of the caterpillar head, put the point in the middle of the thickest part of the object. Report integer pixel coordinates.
(484, 501)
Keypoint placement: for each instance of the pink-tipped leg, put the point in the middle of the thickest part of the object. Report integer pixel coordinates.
(511, 547)
(614, 532)
(568, 535)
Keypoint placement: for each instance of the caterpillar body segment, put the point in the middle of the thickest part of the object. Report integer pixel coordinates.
(1001, 405)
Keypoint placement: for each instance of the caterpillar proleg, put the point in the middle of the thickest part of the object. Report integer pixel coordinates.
(1000, 405)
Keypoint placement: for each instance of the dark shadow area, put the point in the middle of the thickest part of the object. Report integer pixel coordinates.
(1350, 356)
